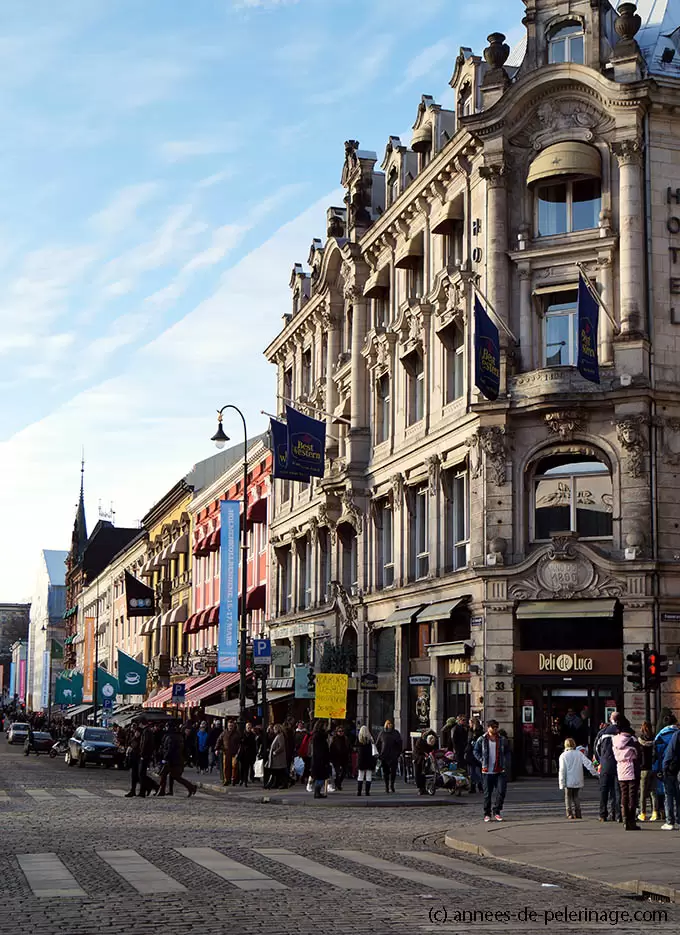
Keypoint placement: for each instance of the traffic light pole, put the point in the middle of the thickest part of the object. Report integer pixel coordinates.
(648, 690)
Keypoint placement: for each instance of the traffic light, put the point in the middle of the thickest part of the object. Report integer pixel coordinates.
(636, 670)
(251, 689)
(311, 680)
(656, 667)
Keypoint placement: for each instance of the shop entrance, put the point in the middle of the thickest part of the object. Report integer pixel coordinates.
(549, 712)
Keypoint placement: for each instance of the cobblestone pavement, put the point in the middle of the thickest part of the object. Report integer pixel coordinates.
(287, 870)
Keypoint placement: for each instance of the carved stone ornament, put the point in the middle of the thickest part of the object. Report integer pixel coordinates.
(397, 484)
(670, 440)
(314, 530)
(564, 573)
(495, 176)
(351, 161)
(493, 442)
(498, 51)
(631, 435)
(348, 275)
(628, 22)
(564, 423)
(561, 119)
(350, 511)
(341, 599)
(324, 519)
(433, 466)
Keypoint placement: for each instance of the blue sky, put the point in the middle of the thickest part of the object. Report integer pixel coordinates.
(163, 165)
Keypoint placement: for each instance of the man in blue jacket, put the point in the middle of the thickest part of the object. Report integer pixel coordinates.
(667, 749)
(493, 752)
(609, 783)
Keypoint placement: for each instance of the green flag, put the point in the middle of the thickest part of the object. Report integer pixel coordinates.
(131, 675)
(68, 689)
(57, 650)
(107, 686)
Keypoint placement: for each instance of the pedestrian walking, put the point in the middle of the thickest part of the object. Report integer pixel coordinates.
(213, 737)
(133, 753)
(276, 762)
(147, 750)
(365, 760)
(202, 740)
(320, 765)
(493, 752)
(228, 745)
(571, 779)
(289, 735)
(173, 756)
(474, 767)
(610, 792)
(647, 777)
(459, 739)
(663, 738)
(627, 755)
(423, 747)
(389, 745)
(247, 753)
(340, 753)
(670, 770)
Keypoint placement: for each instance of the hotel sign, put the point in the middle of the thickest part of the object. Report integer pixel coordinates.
(568, 663)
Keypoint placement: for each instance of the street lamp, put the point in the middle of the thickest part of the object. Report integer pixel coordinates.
(220, 439)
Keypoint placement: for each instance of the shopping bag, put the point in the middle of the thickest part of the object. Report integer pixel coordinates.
(259, 768)
(299, 765)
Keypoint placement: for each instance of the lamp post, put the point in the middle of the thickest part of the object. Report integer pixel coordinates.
(220, 440)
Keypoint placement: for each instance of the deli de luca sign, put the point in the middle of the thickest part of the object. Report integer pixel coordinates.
(569, 663)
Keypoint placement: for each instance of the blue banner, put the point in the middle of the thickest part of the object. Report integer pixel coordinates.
(487, 353)
(588, 314)
(227, 636)
(282, 471)
(306, 443)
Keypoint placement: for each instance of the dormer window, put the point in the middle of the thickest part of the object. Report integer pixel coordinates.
(392, 186)
(565, 44)
(565, 179)
(465, 100)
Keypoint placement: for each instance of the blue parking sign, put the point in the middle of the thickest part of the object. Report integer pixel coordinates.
(179, 692)
(262, 652)
(107, 704)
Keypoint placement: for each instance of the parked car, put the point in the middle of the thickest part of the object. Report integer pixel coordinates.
(40, 742)
(18, 732)
(94, 745)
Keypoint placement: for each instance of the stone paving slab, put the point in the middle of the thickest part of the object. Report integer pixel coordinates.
(642, 862)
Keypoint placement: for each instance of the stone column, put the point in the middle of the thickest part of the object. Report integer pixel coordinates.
(604, 277)
(497, 239)
(331, 324)
(631, 234)
(526, 331)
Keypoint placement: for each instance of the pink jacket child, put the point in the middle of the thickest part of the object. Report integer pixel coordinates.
(626, 753)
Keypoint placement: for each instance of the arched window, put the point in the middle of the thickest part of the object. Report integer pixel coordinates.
(383, 420)
(392, 186)
(566, 44)
(572, 493)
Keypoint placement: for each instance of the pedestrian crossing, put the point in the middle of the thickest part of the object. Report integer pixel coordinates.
(62, 794)
(49, 876)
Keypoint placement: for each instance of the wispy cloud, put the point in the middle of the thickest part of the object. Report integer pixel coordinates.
(363, 73)
(179, 150)
(123, 207)
(424, 63)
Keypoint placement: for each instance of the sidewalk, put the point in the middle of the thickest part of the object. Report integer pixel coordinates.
(644, 862)
(406, 796)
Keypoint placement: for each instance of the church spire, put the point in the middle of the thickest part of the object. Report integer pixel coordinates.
(79, 538)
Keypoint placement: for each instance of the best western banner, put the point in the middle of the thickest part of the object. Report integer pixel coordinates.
(331, 695)
(131, 675)
(588, 310)
(88, 660)
(487, 353)
(306, 443)
(279, 441)
(140, 600)
(227, 635)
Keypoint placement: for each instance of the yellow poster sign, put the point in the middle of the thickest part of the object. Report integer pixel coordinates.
(331, 695)
(88, 660)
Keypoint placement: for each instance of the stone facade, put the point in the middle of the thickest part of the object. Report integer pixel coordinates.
(547, 521)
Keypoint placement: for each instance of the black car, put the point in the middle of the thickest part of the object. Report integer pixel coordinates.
(38, 741)
(94, 745)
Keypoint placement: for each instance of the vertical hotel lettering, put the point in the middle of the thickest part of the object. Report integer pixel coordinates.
(673, 228)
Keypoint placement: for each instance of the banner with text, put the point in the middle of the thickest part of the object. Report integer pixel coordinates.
(47, 677)
(227, 635)
(22, 680)
(88, 660)
(588, 314)
(306, 443)
(487, 353)
(131, 675)
(331, 695)
(279, 442)
(140, 599)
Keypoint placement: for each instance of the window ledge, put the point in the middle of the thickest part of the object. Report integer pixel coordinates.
(416, 429)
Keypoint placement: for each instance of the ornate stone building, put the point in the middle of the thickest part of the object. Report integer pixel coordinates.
(498, 557)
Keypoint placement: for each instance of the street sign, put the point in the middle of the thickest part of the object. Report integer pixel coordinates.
(262, 652)
(107, 704)
(476, 621)
(420, 679)
(179, 691)
(368, 681)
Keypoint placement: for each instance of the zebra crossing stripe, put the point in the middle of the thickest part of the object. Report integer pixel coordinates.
(245, 878)
(40, 795)
(119, 793)
(81, 793)
(140, 873)
(480, 873)
(311, 868)
(398, 870)
(48, 877)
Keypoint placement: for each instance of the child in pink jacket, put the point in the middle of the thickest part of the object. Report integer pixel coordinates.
(627, 755)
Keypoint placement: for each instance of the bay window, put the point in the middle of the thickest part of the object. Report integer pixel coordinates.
(572, 494)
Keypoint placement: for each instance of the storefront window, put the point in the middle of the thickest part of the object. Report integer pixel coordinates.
(573, 494)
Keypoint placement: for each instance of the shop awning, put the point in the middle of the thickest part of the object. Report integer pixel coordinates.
(176, 615)
(568, 158)
(457, 648)
(180, 545)
(532, 610)
(227, 708)
(165, 694)
(213, 542)
(190, 625)
(446, 220)
(80, 709)
(207, 618)
(257, 598)
(378, 283)
(410, 254)
(213, 686)
(440, 610)
(399, 617)
(146, 570)
(276, 696)
(257, 511)
(201, 547)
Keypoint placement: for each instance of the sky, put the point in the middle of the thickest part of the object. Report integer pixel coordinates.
(163, 165)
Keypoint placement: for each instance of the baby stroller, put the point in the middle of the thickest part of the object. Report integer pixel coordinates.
(455, 779)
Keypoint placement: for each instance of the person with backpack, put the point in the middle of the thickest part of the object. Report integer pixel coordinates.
(610, 791)
(669, 727)
(626, 752)
(571, 764)
(670, 770)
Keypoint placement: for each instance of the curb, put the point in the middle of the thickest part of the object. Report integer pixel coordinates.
(639, 888)
(333, 802)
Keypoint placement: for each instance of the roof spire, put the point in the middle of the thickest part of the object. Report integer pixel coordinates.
(79, 539)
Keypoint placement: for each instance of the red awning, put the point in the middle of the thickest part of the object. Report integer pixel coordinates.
(257, 512)
(201, 546)
(165, 694)
(217, 683)
(190, 624)
(257, 598)
(213, 542)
